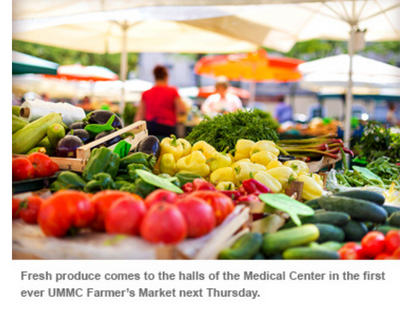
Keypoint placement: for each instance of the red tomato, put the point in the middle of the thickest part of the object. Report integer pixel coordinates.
(15, 207)
(373, 243)
(164, 223)
(392, 241)
(351, 250)
(160, 195)
(102, 201)
(29, 209)
(42, 163)
(64, 210)
(22, 169)
(125, 216)
(199, 216)
(222, 204)
(55, 167)
(383, 256)
(396, 254)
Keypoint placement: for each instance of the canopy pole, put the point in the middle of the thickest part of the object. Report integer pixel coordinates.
(124, 65)
(349, 94)
(252, 97)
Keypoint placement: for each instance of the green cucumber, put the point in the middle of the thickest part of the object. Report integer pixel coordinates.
(309, 253)
(377, 198)
(386, 228)
(259, 255)
(55, 133)
(394, 219)
(390, 209)
(18, 123)
(358, 209)
(245, 247)
(323, 217)
(15, 110)
(313, 203)
(329, 232)
(370, 226)
(331, 245)
(281, 240)
(354, 230)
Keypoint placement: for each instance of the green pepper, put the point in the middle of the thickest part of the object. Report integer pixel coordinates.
(120, 184)
(67, 180)
(186, 177)
(132, 170)
(148, 160)
(101, 160)
(123, 177)
(143, 188)
(129, 187)
(101, 181)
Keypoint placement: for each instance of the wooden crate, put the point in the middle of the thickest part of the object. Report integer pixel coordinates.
(78, 164)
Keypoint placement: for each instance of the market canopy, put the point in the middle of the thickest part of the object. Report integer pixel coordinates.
(333, 72)
(77, 72)
(23, 63)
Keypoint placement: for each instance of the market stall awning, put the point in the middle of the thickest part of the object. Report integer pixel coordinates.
(78, 72)
(23, 63)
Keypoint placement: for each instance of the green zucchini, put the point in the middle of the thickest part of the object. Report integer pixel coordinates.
(245, 247)
(331, 245)
(309, 253)
(377, 198)
(394, 219)
(390, 209)
(313, 203)
(27, 138)
(281, 240)
(354, 230)
(15, 110)
(386, 228)
(50, 150)
(358, 209)
(18, 123)
(329, 232)
(324, 217)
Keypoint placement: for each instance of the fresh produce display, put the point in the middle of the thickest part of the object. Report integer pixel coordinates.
(165, 192)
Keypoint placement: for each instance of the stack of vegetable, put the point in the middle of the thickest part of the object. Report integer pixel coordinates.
(229, 170)
(51, 136)
(346, 216)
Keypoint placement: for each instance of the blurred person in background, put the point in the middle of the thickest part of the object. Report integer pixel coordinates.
(222, 101)
(160, 106)
(391, 118)
(283, 112)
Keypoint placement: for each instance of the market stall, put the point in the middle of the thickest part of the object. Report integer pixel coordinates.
(88, 187)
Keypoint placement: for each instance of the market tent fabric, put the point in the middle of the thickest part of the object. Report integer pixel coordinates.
(332, 72)
(205, 91)
(112, 90)
(23, 63)
(85, 73)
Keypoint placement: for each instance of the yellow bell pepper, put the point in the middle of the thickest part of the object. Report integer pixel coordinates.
(317, 178)
(263, 158)
(171, 145)
(264, 145)
(245, 171)
(274, 164)
(205, 148)
(283, 174)
(298, 166)
(167, 164)
(225, 186)
(311, 189)
(187, 148)
(195, 163)
(219, 160)
(225, 174)
(236, 163)
(243, 148)
(268, 180)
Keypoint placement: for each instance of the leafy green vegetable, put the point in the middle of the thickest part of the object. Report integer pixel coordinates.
(226, 129)
(377, 142)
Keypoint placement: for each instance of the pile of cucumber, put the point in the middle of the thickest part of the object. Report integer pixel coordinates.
(339, 218)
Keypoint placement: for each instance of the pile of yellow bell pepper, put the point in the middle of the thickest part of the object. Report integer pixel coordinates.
(251, 160)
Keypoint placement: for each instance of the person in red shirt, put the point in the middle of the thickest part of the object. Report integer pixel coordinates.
(160, 105)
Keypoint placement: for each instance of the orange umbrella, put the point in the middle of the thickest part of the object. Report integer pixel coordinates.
(206, 91)
(252, 67)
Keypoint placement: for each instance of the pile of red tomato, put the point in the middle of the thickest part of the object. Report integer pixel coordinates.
(162, 217)
(374, 245)
(35, 165)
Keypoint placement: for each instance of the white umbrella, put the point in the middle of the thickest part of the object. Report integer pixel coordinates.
(112, 90)
(333, 72)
